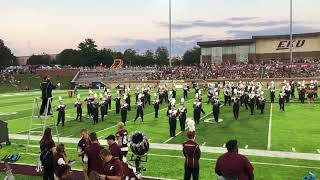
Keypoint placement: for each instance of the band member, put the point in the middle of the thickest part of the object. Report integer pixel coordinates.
(174, 92)
(182, 111)
(117, 99)
(292, 87)
(252, 102)
(185, 91)
(137, 94)
(196, 89)
(172, 114)
(315, 83)
(191, 152)
(282, 99)
(103, 107)
(89, 101)
(261, 102)
(302, 92)
(166, 95)
(210, 93)
(288, 92)
(156, 105)
(236, 107)
(246, 98)
(197, 109)
(272, 90)
(109, 97)
(78, 106)
(216, 109)
(122, 139)
(227, 95)
(61, 112)
(124, 111)
(139, 107)
(95, 109)
(128, 99)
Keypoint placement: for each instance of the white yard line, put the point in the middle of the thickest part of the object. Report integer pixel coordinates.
(219, 150)
(270, 126)
(260, 163)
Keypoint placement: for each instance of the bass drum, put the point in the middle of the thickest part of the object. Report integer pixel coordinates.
(139, 143)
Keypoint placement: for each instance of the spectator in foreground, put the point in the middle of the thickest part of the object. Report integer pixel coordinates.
(48, 149)
(112, 167)
(232, 165)
(91, 156)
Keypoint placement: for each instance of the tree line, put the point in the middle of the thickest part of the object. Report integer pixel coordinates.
(87, 54)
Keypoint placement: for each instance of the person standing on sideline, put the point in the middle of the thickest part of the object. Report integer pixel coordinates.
(46, 93)
(82, 145)
(233, 165)
(191, 152)
(48, 149)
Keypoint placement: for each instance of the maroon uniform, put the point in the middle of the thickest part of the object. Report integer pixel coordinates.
(192, 152)
(232, 164)
(123, 135)
(58, 160)
(113, 168)
(82, 145)
(115, 151)
(94, 159)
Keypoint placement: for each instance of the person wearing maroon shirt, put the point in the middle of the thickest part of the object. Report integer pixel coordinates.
(122, 138)
(82, 145)
(233, 165)
(113, 147)
(191, 152)
(91, 156)
(112, 167)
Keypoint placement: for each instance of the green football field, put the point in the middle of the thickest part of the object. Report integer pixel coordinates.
(295, 130)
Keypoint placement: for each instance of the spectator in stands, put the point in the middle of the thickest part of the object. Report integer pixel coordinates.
(232, 165)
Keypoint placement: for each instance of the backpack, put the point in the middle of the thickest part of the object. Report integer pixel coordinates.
(46, 158)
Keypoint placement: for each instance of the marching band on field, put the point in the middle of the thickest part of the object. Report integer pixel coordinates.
(236, 94)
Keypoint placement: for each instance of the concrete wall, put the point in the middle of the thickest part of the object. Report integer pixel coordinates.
(57, 72)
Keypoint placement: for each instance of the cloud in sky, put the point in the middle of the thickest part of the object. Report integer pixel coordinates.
(179, 44)
(271, 31)
(233, 22)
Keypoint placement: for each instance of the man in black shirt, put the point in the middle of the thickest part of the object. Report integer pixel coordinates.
(46, 87)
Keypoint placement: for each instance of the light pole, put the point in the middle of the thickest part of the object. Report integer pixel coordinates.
(170, 48)
(291, 56)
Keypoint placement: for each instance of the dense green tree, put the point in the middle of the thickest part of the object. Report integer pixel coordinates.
(39, 60)
(192, 56)
(69, 57)
(6, 56)
(88, 53)
(105, 57)
(162, 56)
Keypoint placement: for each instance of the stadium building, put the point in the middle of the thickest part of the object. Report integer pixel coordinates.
(262, 49)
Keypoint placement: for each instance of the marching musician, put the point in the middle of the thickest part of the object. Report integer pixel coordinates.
(109, 97)
(117, 99)
(95, 109)
(185, 91)
(124, 110)
(156, 105)
(172, 114)
(61, 112)
(282, 99)
(182, 111)
(261, 102)
(78, 106)
(252, 102)
(227, 95)
(301, 92)
(89, 101)
(216, 108)
(272, 90)
(103, 107)
(236, 107)
(197, 109)
(139, 108)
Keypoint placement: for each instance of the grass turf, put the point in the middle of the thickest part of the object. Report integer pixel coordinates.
(169, 163)
(297, 127)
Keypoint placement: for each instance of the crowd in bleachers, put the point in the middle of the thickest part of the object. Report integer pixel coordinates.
(203, 71)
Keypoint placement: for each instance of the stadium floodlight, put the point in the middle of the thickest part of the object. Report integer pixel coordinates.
(291, 57)
(170, 48)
